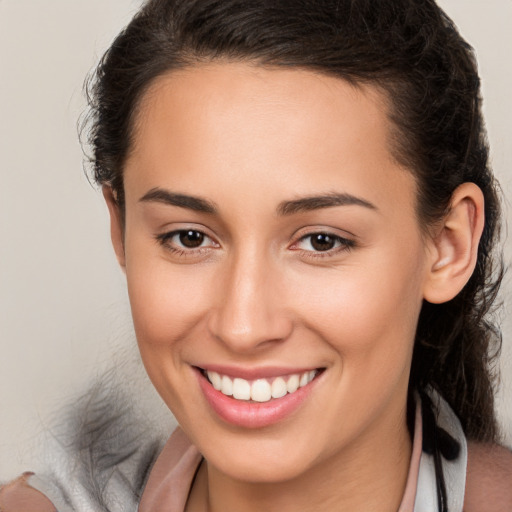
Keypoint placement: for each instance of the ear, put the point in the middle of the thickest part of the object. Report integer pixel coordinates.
(116, 225)
(454, 246)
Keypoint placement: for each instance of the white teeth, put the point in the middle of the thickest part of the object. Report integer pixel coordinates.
(304, 379)
(260, 390)
(226, 386)
(279, 388)
(241, 389)
(216, 380)
(293, 383)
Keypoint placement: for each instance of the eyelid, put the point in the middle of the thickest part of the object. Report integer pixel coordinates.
(327, 230)
(171, 234)
(165, 240)
(344, 242)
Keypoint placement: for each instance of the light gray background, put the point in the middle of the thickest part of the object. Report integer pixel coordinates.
(63, 306)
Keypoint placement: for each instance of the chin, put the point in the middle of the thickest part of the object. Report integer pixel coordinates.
(262, 470)
(268, 459)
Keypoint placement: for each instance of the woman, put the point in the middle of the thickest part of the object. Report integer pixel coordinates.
(300, 198)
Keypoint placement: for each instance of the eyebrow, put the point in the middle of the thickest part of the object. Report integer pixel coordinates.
(306, 204)
(159, 195)
(303, 204)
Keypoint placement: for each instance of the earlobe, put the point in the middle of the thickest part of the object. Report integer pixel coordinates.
(116, 225)
(455, 245)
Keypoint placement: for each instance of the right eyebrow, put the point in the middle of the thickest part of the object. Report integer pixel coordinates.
(305, 204)
(198, 204)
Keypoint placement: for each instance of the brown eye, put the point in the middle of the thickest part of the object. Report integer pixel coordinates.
(191, 239)
(322, 242)
(185, 240)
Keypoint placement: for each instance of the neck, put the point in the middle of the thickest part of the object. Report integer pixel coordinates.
(368, 476)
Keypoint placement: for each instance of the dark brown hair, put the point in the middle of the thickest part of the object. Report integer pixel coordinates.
(408, 48)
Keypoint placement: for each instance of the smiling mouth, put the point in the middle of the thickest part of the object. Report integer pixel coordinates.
(260, 390)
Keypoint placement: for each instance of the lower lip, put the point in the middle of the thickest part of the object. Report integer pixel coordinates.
(253, 414)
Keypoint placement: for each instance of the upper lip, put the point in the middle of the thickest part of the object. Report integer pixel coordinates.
(253, 373)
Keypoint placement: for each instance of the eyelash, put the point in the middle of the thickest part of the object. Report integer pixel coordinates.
(342, 244)
(165, 240)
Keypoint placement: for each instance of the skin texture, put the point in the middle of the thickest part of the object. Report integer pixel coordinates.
(256, 293)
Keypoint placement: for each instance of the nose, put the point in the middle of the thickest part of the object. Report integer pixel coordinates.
(251, 311)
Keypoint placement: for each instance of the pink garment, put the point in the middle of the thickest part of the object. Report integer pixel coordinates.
(409, 496)
(172, 475)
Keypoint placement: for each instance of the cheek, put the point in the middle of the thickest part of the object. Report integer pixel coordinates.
(368, 310)
(167, 308)
(167, 300)
(367, 314)
(165, 305)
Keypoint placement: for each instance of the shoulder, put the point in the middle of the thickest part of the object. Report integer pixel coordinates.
(19, 496)
(489, 478)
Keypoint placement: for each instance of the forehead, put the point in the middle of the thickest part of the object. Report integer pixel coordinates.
(238, 95)
(236, 121)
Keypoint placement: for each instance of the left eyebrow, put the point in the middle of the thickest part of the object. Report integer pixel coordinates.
(306, 204)
(198, 204)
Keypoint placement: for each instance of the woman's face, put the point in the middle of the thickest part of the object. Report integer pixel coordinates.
(271, 240)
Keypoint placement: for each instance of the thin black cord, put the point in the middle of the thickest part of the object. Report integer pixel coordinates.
(432, 446)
